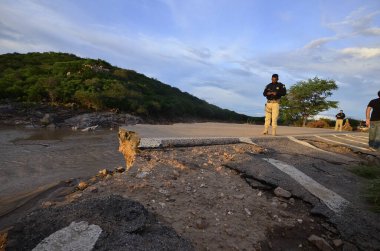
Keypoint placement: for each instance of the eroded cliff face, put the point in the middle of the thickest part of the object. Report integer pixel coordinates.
(128, 146)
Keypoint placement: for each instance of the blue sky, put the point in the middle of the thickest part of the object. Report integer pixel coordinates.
(223, 51)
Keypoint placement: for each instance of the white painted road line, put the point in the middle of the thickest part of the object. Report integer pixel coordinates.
(304, 143)
(364, 137)
(357, 138)
(341, 143)
(331, 199)
(351, 140)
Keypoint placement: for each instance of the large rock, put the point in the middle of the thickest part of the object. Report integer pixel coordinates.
(104, 119)
(320, 243)
(47, 119)
(280, 192)
(79, 236)
(125, 224)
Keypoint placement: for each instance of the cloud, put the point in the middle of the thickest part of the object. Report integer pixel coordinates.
(319, 42)
(374, 31)
(362, 52)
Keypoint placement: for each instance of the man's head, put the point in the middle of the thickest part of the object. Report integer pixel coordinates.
(274, 78)
(341, 111)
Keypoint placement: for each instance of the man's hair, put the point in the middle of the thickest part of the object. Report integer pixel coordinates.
(378, 94)
(275, 76)
(341, 110)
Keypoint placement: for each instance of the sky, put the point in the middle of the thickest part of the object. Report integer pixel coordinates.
(223, 51)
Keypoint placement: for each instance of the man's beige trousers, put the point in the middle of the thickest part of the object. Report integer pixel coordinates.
(272, 111)
(339, 124)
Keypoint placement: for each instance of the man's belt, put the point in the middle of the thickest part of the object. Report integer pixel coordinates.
(273, 101)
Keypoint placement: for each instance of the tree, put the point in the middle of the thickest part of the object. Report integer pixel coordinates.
(308, 98)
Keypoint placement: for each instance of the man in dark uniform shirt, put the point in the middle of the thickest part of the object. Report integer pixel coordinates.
(373, 122)
(339, 120)
(273, 92)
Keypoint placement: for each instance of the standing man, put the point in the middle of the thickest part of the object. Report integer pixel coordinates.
(273, 92)
(339, 120)
(373, 122)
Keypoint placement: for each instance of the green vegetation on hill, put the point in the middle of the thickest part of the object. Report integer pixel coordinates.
(65, 79)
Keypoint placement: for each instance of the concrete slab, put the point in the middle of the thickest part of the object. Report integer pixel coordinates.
(218, 130)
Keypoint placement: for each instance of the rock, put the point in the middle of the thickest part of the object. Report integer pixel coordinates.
(108, 176)
(92, 189)
(320, 243)
(82, 185)
(77, 236)
(239, 196)
(103, 172)
(163, 191)
(260, 194)
(176, 173)
(47, 119)
(120, 169)
(201, 223)
(47, 204)
(76, 196)
(203, 185)
(142, 175)
(247, 211)
(280, 192)
(337, 243)
(292, 201)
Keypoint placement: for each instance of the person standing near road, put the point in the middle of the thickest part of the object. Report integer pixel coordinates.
(373, 122)
(273, 92)
(339, 120)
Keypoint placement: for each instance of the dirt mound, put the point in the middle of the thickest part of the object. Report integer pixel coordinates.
(125, 224)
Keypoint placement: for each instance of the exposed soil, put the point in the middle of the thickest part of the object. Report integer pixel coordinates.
(191, 190)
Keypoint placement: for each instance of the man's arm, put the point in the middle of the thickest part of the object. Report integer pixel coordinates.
(368, 116)
(343, 116)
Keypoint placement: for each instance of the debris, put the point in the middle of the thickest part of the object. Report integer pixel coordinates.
(292, 201)
(247, 211)
(203, 185)
(162, 204)
(320, 243)
(201, 223)
(46, 204)
(280, 192)
(299, 221)
(260, 194)
(337, 242)
(163, 191)
(120, 169)
(90, 128)
(142, 175)
(82, 185)
(92, 189)
(239, 196)
(103, 172)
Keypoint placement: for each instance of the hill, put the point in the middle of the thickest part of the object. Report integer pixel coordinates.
(68, 80)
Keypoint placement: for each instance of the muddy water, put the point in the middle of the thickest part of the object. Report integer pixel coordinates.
(30, 158)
